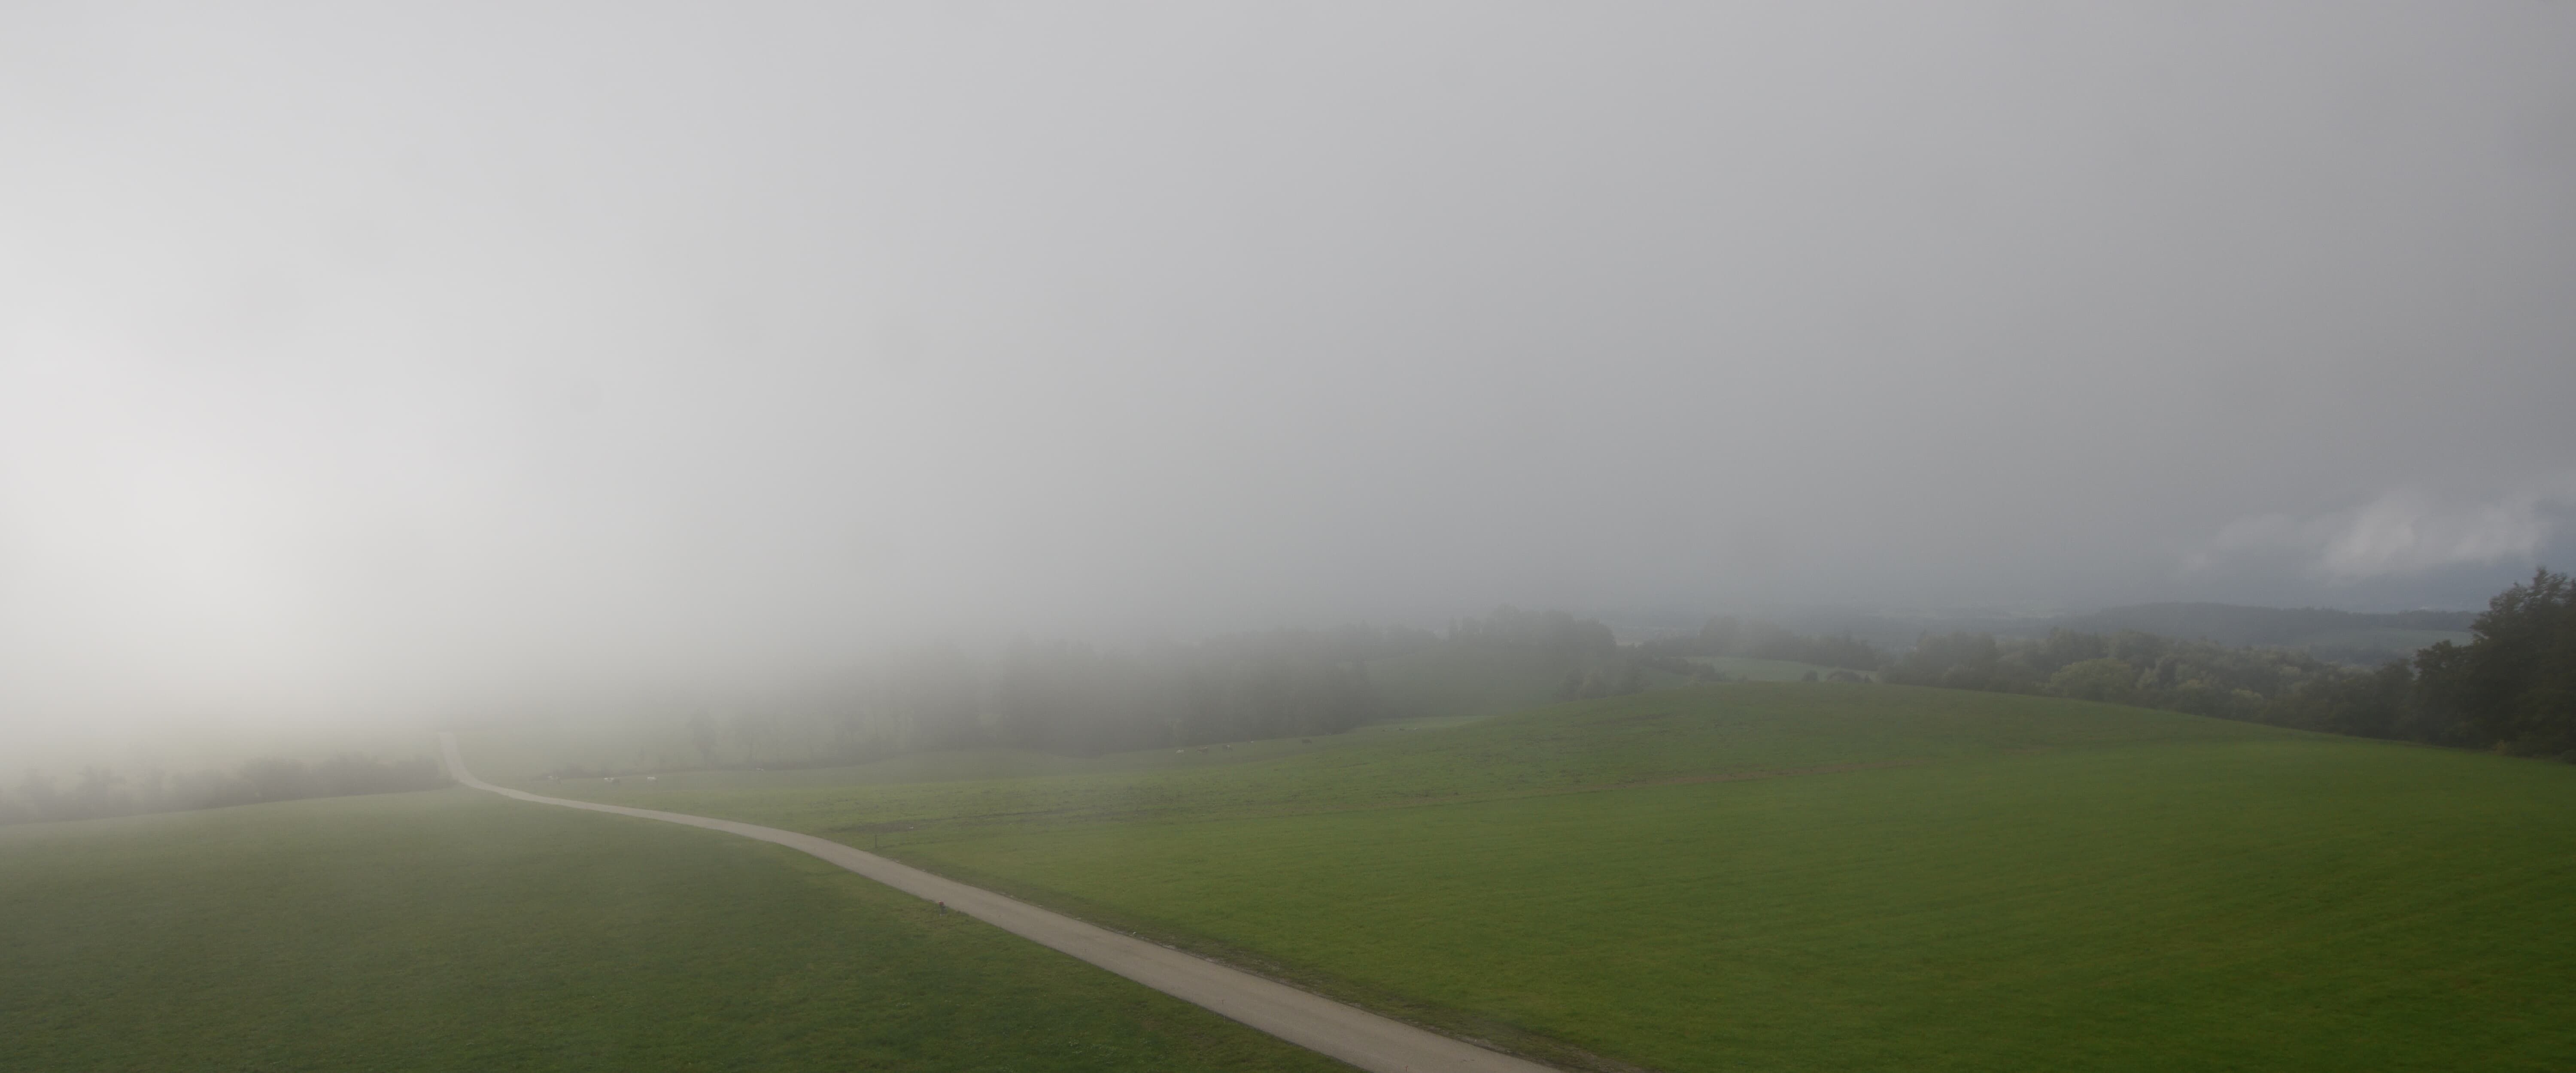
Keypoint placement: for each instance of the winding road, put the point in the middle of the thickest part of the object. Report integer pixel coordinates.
(1311, 1021)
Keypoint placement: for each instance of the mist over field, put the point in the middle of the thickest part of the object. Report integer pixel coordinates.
(379, 369)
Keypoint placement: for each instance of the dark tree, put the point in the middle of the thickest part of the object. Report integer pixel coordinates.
(2514, 683)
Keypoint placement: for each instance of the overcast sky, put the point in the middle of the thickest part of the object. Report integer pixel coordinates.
(394, 359)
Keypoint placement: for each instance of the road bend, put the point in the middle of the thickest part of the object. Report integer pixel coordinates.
(1351, 1034)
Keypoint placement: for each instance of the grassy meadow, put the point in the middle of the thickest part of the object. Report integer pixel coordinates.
(1802, 877)
(1755, 669)
(1447, 681)
(452, 930)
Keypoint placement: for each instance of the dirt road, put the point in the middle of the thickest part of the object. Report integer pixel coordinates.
(1320, 1024)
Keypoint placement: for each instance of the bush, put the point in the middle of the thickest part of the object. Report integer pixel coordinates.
(2104, 679)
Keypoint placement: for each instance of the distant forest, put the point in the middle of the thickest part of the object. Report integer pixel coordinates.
(2232, 624)
(1762, 640)
(1080, 699)
(2511, 687)
(98, 792)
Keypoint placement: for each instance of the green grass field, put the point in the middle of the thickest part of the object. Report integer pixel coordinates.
(1448, 682)
(1808, 877)
(1750, 669)
(452, 930)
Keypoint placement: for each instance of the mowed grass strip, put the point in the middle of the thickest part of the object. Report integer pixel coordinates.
(2282, 905)
(451, 930)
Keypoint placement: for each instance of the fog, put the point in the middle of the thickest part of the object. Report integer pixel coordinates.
(389, 365)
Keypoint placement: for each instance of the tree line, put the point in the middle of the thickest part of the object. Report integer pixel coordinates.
(1064, 697)
(1763, 640)
(2128, 667)
(98, 792)
(2511, 688)
(1080, 699)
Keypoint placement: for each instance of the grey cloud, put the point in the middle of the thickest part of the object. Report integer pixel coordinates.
(413, 358)
(2407, 531)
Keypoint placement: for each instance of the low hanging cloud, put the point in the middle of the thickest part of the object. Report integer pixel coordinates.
(2402, 532)
(727, 347)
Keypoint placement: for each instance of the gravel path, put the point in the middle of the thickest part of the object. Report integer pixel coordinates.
(1311, 1021)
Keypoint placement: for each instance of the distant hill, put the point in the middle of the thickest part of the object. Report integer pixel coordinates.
(2342, 636)
(2349, 636)
(2229, 624)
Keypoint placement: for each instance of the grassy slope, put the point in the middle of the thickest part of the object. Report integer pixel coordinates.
(1708, 732)
(2054, 884)
(2188, 905)
(1751, 669)
(451, 930)
(1445, 682)
(1436, 683)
